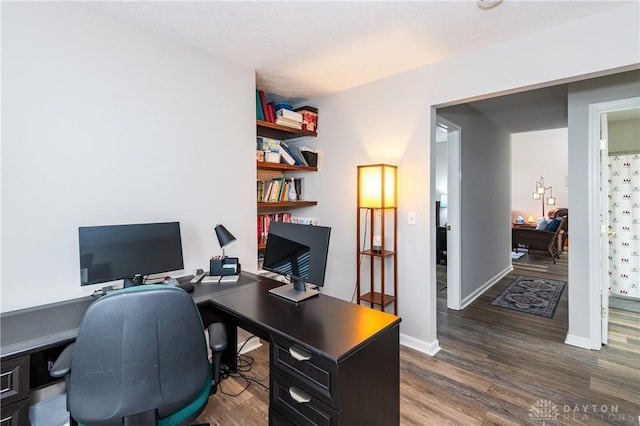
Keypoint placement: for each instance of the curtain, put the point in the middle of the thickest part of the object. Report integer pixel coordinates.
(624, 220)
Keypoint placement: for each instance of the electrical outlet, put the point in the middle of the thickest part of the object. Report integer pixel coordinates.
(412, 218)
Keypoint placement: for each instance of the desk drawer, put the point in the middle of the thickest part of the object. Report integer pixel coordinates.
(316, 372)
(14, 380)
(297, 404)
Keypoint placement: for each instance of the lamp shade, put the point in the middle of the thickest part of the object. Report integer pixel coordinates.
(224, 236)
(377, 186)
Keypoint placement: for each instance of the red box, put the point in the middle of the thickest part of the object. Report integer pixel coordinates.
(309, 118)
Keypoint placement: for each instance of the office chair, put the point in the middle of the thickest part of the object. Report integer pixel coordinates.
(141, 358)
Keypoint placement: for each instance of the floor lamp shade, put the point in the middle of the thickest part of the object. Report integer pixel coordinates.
(377, 184)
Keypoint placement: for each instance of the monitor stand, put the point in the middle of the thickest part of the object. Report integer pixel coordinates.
(297, 291)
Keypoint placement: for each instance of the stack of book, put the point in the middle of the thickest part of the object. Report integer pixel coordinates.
(285, 117)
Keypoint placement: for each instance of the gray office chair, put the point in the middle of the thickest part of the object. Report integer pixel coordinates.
(141, 358)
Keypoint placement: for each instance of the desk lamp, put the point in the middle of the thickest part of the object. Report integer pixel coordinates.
(224, 237)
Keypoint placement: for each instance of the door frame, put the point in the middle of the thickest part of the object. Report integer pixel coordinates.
(597, 319)
(454, 178)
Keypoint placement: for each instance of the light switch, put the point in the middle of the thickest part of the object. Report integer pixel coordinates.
(412, 218)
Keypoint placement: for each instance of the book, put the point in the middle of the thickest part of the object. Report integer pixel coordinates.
(288, 123)
(303, 160)
(229, 279)
(272, 114)
(276, 191)
(299, 161)
(289, 115)
(259, 111)
(263, 103)
(285, 157)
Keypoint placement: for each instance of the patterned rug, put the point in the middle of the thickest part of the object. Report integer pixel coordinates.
(531, 295)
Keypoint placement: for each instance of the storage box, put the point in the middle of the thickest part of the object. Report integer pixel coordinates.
(309, 118)
(268, 144)
(272, 157)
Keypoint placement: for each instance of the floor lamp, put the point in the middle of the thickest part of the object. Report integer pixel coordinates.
(540, 192)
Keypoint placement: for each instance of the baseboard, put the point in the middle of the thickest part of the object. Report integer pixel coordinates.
(624, 303)
(487, 285)
(429, 348)
(580, 342)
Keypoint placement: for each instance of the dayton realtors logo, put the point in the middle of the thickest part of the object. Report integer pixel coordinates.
(543, 411)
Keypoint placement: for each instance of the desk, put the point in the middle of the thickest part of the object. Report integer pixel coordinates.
(341, 359)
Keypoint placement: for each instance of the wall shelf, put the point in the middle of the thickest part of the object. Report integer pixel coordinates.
(276, 131)
(264, 165)
(286, 204)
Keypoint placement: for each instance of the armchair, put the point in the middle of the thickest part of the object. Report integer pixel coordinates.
(538, 239)
(140, 358)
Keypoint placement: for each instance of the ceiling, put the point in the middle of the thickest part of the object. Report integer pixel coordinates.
(305, 49)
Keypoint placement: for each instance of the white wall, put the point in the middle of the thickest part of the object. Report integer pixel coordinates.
(538, 154)
(390, 121)
(107, 124)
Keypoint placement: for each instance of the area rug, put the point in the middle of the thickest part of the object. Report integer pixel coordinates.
(537, 296)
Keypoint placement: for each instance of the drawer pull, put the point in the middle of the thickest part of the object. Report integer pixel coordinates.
(299, 354)
(298, 395)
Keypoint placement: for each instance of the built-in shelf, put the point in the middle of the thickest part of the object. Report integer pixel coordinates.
(264, 165)
(286, 204)
(276, 131)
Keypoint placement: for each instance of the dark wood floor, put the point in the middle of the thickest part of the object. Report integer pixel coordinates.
(494, 367)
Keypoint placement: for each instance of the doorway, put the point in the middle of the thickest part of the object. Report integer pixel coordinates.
(615, 134)
(448, 180)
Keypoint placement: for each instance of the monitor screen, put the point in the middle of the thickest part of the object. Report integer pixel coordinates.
(114, 252)
(298, 252)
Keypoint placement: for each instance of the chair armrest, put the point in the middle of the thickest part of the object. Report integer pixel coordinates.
(217, 337)
(62, 365)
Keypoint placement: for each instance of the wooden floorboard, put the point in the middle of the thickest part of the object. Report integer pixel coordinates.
(495, 364)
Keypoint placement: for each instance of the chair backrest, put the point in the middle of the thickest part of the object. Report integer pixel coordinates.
(138, 349)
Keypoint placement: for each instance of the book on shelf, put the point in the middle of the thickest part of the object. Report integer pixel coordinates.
(280, 189)
(289, 123)
(294, 117)
(285, 156)
(272, 114)
(263, 103)
(294, 153)
(265, 219)
(259, 110)
(276, 192)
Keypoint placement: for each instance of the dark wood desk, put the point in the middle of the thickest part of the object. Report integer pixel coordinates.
(331, 362)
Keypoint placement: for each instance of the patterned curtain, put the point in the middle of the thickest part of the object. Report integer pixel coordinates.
(624, 220)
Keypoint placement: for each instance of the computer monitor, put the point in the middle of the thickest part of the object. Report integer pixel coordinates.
(128, 252)
(298, 252)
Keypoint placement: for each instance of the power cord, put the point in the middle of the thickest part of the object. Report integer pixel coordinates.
(244, 365)
(364, 241)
